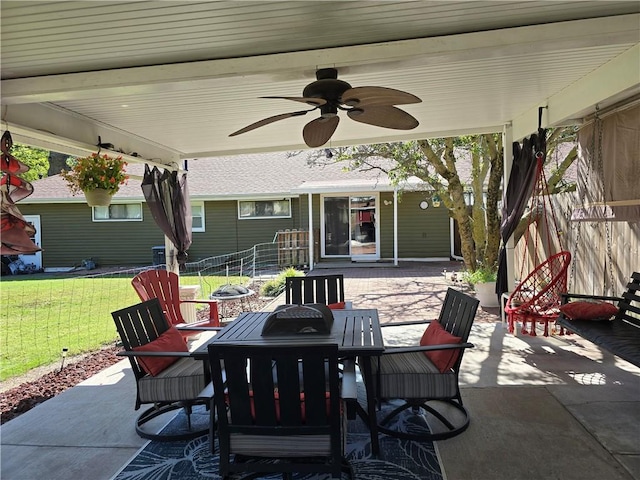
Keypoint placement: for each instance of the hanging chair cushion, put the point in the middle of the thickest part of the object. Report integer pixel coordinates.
(444, 360)
(589, 310)
(169, 341)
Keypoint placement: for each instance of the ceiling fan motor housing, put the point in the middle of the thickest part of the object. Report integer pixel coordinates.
(329, 88)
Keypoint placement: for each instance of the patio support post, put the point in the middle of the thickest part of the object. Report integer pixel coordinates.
(507, 140)
(395, 227)
(310, 200)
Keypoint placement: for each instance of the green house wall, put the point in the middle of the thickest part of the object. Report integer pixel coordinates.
(69, 235)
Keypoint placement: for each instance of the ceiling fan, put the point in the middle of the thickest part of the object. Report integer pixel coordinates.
(371, 105)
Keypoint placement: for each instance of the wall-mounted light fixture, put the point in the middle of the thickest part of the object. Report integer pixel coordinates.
(388, 202)
(424, 204)
(436, 201)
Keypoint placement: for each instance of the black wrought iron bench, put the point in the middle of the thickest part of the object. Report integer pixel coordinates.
(620, 336)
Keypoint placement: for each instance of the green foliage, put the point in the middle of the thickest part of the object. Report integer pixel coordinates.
(36, 159)
(275, 286)
(480, 275)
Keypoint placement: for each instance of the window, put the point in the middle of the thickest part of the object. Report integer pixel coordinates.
(197, 214)
(119, 212)
(264, 208)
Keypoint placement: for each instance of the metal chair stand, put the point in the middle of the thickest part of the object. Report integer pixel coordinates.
(453, 428)
(162, 409)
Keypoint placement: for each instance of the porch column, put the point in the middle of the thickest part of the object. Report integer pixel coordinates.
(507, 140)
(395, 227)
(310, 200)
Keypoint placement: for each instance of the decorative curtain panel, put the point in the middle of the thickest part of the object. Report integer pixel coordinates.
(515, 197)
(168, 199)
(609, 168)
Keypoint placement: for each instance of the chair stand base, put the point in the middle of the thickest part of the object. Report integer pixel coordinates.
(451, 429)
(155, 412)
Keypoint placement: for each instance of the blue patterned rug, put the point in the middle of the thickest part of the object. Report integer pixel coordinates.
(192, 460)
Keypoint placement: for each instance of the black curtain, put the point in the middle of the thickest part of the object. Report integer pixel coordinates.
(168, 199)
(517, 194)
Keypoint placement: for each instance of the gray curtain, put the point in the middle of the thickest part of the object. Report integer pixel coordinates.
(517, 194)
(167, 196)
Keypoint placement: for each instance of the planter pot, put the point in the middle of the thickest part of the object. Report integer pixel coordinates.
(486, 294)
(98, 198)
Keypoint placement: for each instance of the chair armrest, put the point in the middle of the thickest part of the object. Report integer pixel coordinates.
(426, 348)
(567, 296)
(214, 316)
(128, 353)
(412, 322)
(188, 327)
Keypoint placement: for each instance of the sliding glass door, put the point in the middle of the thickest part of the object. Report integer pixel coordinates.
(350, 227)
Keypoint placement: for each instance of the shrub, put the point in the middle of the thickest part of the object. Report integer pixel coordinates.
(275, 286)
(481, 275)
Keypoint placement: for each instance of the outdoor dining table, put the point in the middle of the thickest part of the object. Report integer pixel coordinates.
(356, 332)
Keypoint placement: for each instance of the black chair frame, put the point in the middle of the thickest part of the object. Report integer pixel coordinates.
(456, 316)
(138, 325)
(325, 289)
(262, 388)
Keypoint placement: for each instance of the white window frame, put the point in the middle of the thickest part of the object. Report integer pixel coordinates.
(201, 205)
(264, 200)
(99, 220)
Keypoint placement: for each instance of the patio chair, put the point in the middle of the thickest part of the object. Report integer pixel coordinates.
(426, 376)
(164, 286)
(538, 297)
(325, 289)
(281, 409)
(168, 382)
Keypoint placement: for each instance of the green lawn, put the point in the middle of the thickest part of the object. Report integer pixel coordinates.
(41, 314)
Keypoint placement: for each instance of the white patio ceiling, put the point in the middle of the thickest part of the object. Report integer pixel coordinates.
(171, 80)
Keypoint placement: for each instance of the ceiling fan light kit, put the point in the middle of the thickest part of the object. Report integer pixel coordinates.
(370, 105)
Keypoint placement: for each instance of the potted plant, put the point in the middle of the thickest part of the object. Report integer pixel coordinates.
(483, 280)
(97, 176)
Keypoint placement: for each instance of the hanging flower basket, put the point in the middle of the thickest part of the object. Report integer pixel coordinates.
(97, 176)
(98, 197)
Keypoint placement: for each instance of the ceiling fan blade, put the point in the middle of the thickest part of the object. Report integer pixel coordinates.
(267, 121)
(377, 96)
(313, 101)
(384, 116)
(318, 132)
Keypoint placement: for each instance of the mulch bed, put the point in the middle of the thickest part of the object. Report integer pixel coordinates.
(27, 395)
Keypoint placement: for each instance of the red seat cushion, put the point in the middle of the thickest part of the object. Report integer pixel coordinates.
(436, 335)
(169, 341)
(589, 310)
(336, 306)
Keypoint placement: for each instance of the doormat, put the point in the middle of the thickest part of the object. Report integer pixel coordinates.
(193, 460)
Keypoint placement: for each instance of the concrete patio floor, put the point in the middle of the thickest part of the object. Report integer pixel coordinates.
(541, 407)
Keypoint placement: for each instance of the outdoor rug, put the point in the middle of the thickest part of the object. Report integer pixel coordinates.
(192, 460)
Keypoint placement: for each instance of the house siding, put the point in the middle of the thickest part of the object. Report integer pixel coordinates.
(69, 236)
(421, 233)
(65, 243)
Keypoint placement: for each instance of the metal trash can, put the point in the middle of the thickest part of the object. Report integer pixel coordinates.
(159, 257)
